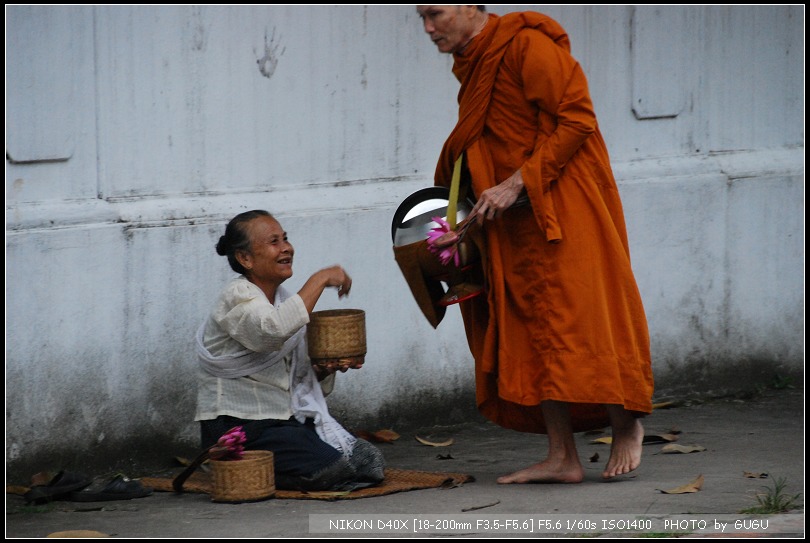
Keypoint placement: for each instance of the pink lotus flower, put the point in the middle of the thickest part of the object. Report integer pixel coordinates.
(445, 254)
(230, 446)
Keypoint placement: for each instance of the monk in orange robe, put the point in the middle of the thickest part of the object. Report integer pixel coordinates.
(560, 338)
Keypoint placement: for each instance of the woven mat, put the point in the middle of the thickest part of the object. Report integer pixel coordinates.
(396, 480)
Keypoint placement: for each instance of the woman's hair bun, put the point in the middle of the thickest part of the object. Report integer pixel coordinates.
(222, 246)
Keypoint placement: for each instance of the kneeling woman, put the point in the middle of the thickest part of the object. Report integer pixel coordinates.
(255, 370)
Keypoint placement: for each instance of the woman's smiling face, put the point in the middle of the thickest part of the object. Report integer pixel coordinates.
(270, 258)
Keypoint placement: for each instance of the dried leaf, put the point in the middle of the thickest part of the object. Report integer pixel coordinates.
(694, 486)
(433, 443)
(454, 482)
(476, 507)
(754, 475)
(648, 439)
(387, 435)
(674, 448)
(42, 478)
(19, 490)
(380, 436)
(205, 466)
(664, 405)
(78, 533)
(659, 438)
(595, 457)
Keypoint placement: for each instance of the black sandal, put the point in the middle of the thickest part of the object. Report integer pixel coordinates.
(58, 488)
(120, 487)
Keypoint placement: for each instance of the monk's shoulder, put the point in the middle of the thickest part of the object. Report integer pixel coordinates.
(535, 47)
(532, 37)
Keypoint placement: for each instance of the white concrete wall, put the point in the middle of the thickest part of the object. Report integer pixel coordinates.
(134, 133)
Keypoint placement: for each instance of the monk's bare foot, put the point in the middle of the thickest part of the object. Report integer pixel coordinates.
(546, 472)
(625, 450)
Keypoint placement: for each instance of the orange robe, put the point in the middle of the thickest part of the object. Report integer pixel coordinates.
(562, 318)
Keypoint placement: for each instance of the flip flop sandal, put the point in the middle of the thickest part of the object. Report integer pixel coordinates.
(58, 488)
(120, 487)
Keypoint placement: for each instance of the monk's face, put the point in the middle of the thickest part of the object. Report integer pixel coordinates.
(450, 27)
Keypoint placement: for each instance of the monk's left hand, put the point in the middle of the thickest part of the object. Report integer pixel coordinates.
(495, 200)
(446, 240)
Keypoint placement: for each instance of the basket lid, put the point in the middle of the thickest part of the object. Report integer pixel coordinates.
(413, 219)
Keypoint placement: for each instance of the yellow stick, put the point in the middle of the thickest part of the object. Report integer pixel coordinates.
(452, 205)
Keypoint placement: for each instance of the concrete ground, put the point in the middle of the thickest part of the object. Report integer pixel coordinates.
(741, 449)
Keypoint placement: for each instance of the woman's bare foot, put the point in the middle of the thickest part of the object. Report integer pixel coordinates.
(625, 449)
(546, 472)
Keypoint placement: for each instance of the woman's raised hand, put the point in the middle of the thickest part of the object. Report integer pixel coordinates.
(333, 276)
(336, 276)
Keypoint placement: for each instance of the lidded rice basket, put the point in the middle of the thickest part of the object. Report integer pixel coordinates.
(337, 334)
(250, 479)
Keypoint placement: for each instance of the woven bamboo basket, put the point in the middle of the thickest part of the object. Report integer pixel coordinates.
(337, 334)
(250, 479)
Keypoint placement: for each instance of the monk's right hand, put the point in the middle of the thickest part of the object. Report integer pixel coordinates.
(495, 200)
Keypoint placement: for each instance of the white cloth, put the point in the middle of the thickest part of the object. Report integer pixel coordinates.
(304, 396)
(243, 318)
(245, 362)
